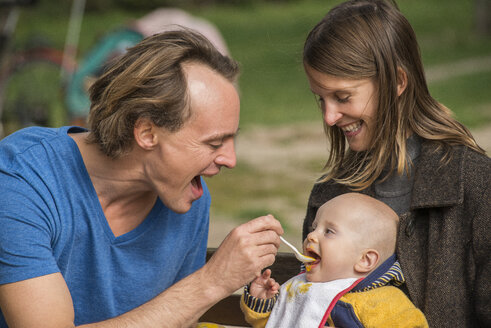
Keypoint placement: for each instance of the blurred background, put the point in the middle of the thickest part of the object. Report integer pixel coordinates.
(281, 148)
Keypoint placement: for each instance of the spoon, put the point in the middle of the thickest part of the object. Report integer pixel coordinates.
(298, 255)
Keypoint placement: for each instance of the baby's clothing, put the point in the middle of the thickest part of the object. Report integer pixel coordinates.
(301, 303)
(370, 302)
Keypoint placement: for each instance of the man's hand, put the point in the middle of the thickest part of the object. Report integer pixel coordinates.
(264, 286)
(248, 249)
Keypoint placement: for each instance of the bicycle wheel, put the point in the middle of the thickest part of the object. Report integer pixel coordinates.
(32, 93)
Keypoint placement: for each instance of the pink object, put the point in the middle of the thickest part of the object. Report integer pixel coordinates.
(165, 19)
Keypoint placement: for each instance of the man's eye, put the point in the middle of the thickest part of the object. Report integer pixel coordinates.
(215, 146)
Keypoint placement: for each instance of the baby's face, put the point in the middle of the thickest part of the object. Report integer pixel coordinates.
(333, 243)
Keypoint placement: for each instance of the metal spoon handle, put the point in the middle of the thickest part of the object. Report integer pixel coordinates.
(290, 245)
(298, 255)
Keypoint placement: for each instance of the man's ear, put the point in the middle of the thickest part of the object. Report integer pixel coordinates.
(145, 134)
(368, 261)
(401, 81)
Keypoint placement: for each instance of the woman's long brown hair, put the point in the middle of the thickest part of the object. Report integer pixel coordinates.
(371, 39)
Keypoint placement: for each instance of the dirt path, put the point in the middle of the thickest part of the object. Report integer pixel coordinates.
(462, 67)
(289, 151)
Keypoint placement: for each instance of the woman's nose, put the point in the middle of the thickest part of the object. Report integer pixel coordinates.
(331, 115)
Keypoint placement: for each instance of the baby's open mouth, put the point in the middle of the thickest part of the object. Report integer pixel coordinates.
(311, 253)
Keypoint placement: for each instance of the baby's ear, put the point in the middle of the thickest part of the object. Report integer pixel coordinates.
(367, 262)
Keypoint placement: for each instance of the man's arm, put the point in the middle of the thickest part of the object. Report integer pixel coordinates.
(46, 302)
(39, 302)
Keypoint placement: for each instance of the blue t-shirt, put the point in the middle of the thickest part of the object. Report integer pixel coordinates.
(51, 221)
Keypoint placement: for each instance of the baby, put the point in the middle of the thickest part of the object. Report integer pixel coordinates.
(352, 281)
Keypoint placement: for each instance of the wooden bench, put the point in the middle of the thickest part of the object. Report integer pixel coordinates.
(227, 311)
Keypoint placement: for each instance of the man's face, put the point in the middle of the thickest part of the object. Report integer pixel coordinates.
(203, 145)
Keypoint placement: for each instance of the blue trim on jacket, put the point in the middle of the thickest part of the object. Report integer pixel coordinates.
(388, 273)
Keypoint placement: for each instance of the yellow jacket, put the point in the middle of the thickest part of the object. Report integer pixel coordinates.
(374, 302)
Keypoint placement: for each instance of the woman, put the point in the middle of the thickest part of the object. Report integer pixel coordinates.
(390, 139)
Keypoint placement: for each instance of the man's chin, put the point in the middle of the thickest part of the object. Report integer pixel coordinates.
(181, 209)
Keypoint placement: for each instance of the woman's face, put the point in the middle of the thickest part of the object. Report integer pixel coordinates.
(346, 104)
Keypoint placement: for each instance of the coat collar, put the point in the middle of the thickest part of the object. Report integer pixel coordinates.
(437, 183)
(388, 273)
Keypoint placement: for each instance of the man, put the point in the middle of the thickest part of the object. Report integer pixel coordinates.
(108, 227)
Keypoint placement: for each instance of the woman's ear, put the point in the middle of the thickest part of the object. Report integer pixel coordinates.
(145, 134)
(401, 81)
(367, 262)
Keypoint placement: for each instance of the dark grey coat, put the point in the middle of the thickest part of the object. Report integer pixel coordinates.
(444, 242)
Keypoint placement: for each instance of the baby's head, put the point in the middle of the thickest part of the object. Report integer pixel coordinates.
(352, 234)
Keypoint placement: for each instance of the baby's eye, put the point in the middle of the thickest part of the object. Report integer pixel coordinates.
(328, 231)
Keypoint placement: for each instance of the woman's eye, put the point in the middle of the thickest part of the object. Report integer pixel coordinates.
(342, 100)
(328, 231)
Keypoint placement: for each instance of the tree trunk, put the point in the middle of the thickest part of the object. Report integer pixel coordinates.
(483, 17)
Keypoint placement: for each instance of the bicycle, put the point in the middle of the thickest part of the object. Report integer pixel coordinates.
(31, 80)
(41, 86)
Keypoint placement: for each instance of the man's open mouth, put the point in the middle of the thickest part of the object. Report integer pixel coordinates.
(196, 186)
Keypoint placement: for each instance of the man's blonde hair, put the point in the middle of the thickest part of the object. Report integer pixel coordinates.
(148, 81)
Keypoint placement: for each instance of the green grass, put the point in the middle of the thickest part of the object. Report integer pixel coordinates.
(267, 39)
(468, 92)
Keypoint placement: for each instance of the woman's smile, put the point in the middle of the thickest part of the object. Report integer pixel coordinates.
(352, 129)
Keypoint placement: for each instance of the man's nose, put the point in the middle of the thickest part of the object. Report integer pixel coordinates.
(227, 157)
